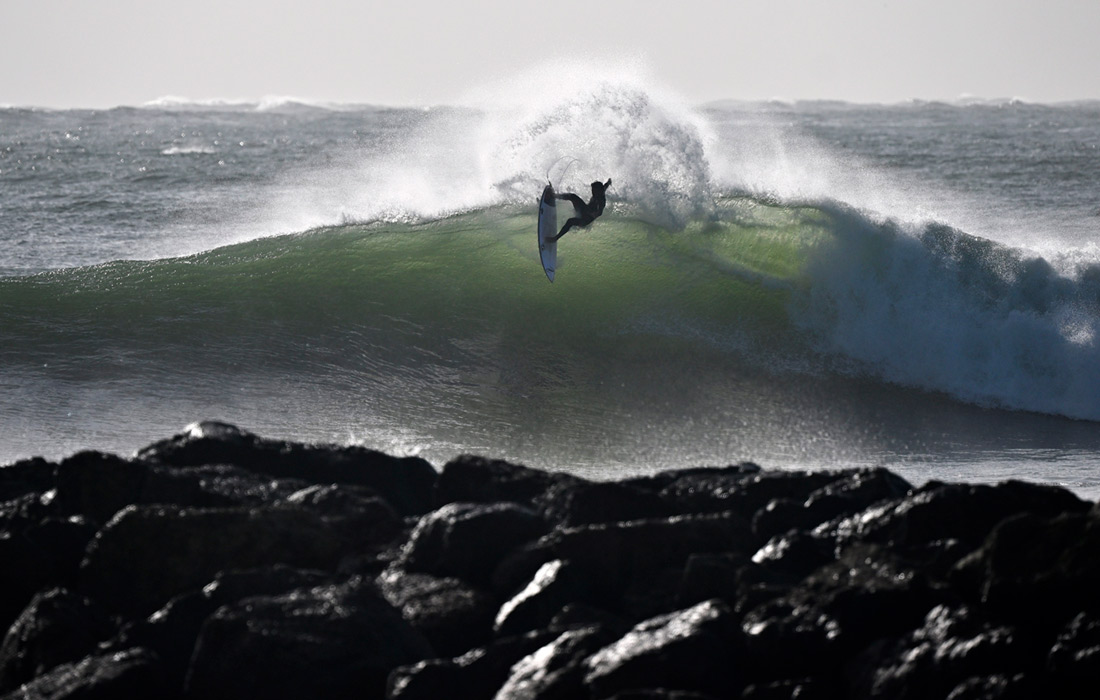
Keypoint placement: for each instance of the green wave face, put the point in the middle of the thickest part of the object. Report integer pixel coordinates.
(738, 330)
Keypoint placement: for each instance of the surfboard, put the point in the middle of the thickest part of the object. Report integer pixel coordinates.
(548, 227)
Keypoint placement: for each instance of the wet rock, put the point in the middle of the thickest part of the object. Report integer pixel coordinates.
(332, 642)
(1038, 570)
(953, 646)
(1074, 660)
(133, 673)
(57, 627)
(693, 649)
(554, 586)
(795, 553)
(612, 556)
(579, 502)
(405, 482)
(361, 518)
(41, 555)
(708, 576)
(471, 479)
(148, 554)
(452, 616)
(963, 512)
(26, 477)
(468, 540)
(556, 670)
(98, 485)
(741, 490)
(171, 632)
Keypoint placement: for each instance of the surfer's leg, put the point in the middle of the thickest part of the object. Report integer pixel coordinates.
(574, 222)
(577, 202)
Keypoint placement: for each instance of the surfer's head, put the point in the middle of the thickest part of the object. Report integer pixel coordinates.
(599, 187)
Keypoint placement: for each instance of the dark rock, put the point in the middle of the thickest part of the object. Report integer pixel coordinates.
(788, 689)
(994, 687)
(795, 553)
(171, 631)
(479, 673)
(655, 483)
(741, 491)
(611, 556)
(56, 628)
(146, 555)
(953, 646)
(1038, 570)
(450, 614)
(708, 576)
(577, 502)
(98, 485)
(1074, 660)
(133, 673)
(364, 520)
(693, 649)
(556, 671)
(405, 482)
(555, 585)
(467, 540)
(867, 594)
(43, 555)
(963, 512)
(660, 694)
(328, 642)
(26, 477)
(470, 479)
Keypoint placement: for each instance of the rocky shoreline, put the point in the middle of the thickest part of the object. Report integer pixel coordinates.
(217, 564)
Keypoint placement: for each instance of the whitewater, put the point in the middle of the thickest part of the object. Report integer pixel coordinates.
(804, 285)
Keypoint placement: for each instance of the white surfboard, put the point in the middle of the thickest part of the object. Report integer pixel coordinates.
(548, 228)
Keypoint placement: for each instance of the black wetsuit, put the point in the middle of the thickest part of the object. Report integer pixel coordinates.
(586, 213)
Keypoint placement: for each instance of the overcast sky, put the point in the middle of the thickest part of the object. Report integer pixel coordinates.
(101, 53)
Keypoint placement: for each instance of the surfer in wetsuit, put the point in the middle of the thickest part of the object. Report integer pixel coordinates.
(585, 213)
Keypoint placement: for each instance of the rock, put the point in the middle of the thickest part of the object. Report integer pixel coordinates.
(133, 673)
(467, 540)
(709, 576)
(171, 631)
(405, 482)
(148, 554)
(470, 479)
(741, 490)
(451, 615)
(56, 628)
(1074, 660)
(611, 556)
(579, 502)
(693, 649)
(43, 555)
(98, 485)
(867, 594)
(479, 672)
(555, 671)
(854, 492)
(1040, 571)
(963, 512)
(364, 520)
(330, 642)
(26, 477)
(953, 646)
(795, 553)
(555, 585)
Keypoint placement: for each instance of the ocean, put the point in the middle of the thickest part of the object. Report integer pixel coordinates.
(800, 284)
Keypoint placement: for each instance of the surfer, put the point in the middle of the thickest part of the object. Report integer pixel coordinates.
(585, 213)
